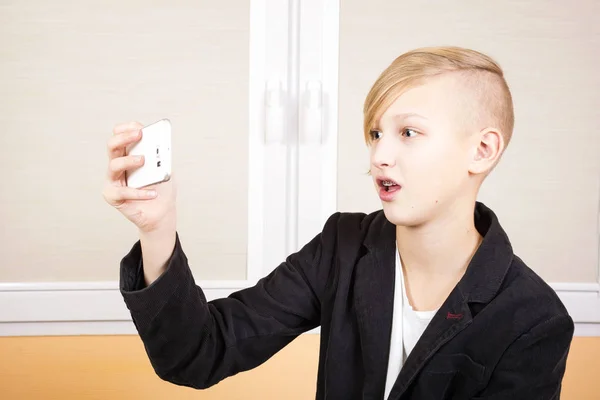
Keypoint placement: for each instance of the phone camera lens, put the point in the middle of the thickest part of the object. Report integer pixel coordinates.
(158, 163)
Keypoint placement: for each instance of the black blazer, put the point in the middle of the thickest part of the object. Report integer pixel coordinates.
(502, 333)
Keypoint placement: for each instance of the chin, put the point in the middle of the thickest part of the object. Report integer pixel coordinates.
(405, 215)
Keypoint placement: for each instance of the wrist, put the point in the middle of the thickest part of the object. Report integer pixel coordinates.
(157, 247)
(167, 225)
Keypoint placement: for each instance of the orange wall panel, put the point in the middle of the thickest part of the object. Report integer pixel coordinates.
(116, 367)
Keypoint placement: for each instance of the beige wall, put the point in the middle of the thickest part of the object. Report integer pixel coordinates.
(116, 367)
(69, 71)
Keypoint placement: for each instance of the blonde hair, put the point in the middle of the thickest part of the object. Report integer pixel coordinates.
(482, 75)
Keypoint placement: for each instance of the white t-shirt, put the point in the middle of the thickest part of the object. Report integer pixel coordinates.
(407, 327)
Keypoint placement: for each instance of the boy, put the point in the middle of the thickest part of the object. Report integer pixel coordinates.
(423, 299)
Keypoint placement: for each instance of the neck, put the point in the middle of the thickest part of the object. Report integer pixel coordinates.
(442, 247)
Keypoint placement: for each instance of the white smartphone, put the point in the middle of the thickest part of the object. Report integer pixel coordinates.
(155, 146)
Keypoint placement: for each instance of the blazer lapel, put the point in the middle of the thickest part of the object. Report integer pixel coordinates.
(373, 300)
(452, 317)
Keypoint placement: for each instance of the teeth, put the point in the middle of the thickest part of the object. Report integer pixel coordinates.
(387, 183)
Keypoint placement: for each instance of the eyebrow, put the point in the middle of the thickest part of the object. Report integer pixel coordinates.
(407, 115)
(398, 117)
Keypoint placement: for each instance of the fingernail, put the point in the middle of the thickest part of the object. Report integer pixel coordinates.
(151, 193)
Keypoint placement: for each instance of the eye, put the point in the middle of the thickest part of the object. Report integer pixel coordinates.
(375, 134)
(409, 132)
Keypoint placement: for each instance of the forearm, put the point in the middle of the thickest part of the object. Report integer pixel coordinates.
(197, 343)
(157, 247)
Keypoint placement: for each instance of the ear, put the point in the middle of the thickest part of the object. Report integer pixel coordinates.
(488, 147)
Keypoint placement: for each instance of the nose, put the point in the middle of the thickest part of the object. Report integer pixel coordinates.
(383, 154)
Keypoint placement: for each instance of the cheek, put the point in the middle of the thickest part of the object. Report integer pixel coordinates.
(430, 160)
(435, 171)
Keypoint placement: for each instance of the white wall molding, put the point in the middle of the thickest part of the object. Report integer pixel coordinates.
(97, 308)
(80, 301)
(582, 300)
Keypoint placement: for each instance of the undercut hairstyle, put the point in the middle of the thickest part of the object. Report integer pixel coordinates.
(489, 98)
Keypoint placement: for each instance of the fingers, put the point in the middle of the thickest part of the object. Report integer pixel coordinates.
(116, 144)
(117, 195)
(117, 166)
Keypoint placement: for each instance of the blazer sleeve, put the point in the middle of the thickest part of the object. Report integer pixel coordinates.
(197, 343)
(533, 366)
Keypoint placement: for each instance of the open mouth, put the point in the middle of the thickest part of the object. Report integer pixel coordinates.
(387, 184)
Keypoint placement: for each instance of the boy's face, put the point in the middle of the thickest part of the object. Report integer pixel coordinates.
(425, 144)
